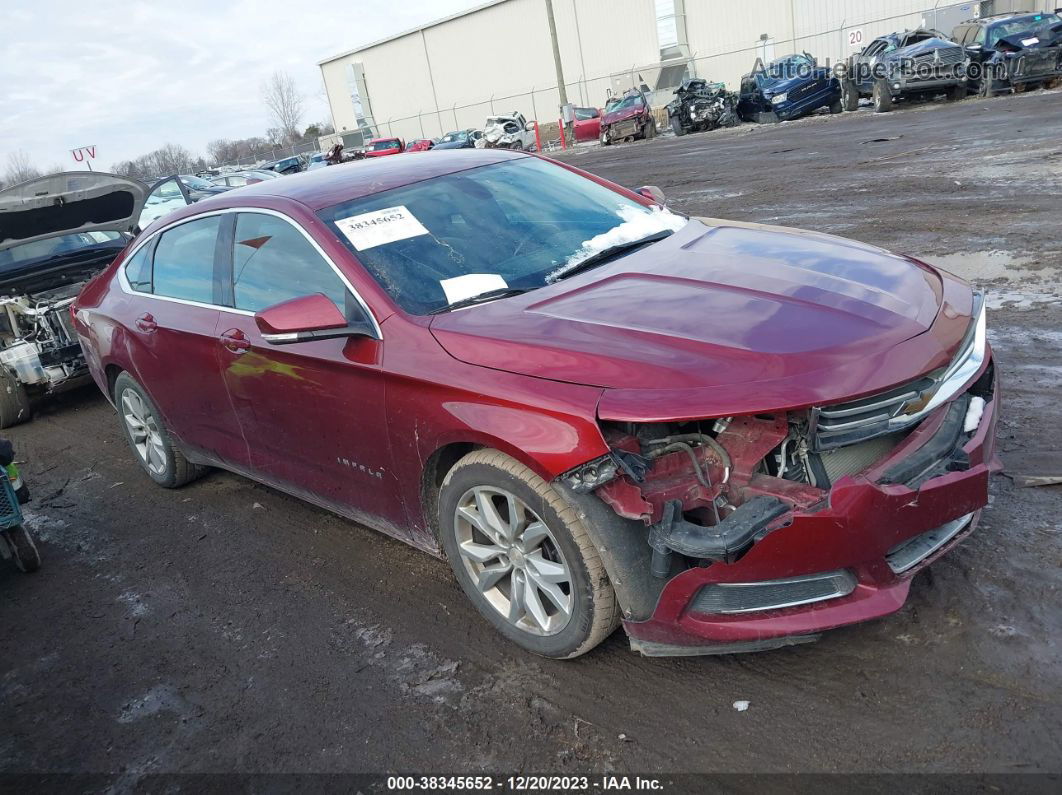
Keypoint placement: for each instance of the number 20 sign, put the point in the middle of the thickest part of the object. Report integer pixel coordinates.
(855, 37)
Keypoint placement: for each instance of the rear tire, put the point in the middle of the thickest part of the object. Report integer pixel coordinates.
(148, 438)
(14, 400)
(849, 95)
(536, 578)
(23, 549)
(882, 97)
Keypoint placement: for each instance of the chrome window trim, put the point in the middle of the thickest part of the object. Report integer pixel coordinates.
(127, 288)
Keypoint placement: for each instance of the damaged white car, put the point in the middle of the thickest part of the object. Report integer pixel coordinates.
(508, 132)
(56, 233)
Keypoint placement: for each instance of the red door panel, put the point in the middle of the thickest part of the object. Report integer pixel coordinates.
(313, 414)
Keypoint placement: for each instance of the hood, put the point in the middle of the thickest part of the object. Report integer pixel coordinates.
(614, 116)
(922, 47)
(715, 304)
(74, 201)
(1026, 41)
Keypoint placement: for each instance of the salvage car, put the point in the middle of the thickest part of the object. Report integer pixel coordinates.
(626, 118)
(787, 89)
(420, 145)
(1012, 51)
(721, 435)
(382, 147)
(915, 63)
(179, 190)
(459, 139)
(587, 124)
(508, 132)
(55, 234)
(699, 106)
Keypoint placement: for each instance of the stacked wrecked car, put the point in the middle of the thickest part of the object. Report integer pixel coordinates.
(699, 106)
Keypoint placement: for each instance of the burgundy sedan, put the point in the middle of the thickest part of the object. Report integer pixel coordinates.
(721, 435)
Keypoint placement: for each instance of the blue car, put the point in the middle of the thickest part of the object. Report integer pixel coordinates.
(787, 89)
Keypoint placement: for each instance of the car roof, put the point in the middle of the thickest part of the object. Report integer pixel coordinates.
(327, 186)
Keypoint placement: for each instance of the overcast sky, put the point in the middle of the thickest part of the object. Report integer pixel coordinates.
(129, 76)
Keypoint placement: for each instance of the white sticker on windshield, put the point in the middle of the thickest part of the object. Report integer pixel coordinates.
(1030, 42)
(470, 284)
(382, 226)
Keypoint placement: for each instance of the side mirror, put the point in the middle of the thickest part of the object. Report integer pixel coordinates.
(530, 126)
(652, 193)
(309, 317)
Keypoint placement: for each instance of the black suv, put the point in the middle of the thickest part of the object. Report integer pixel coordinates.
(1015, 51)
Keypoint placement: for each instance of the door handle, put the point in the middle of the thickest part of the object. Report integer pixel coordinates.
(234, 341)
(146, 323)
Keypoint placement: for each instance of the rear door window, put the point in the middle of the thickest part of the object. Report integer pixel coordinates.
(184, 261)
(272, 261)
(138, 269)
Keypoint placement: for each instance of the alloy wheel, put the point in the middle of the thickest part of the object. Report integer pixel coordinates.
(144, 431)
(514, 560)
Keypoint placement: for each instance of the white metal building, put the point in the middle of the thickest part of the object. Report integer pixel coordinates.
(497, 57)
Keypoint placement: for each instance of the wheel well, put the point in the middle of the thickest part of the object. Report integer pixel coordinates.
(435, 469)
(112, 372)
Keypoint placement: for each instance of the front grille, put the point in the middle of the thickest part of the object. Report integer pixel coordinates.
(747, 597)
(914, 550)
(847, 423)
(624, 129)
(946, 56)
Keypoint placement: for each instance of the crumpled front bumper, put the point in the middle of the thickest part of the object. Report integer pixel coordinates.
(864, 521)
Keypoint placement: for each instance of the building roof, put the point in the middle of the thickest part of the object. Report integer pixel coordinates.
(431, 24)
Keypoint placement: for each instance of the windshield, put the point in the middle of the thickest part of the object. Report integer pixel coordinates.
(454, 137)
(86, 243)
(1034, 24)
(633, 101)
(195, 183)
(380, 146)
(513, 224)
(793, 66)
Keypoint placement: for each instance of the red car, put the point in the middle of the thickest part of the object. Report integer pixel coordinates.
(587, 124)
(381, 147)
(722, 435)
(626, 118)
(420, 145)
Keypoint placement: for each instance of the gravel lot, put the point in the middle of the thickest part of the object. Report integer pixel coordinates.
(226, 627)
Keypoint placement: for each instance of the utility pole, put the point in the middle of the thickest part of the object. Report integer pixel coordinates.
(561, 90)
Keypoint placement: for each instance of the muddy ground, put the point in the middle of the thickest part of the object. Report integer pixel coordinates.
(226, 627)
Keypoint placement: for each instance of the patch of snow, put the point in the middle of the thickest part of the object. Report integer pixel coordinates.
(741, 706)
(636, 224)
(973, 414)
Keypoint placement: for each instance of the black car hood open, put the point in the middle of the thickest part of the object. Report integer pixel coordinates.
(62, 204)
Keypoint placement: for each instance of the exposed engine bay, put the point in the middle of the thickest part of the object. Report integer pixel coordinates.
(700, 105)
(708, 490)
(39, 344)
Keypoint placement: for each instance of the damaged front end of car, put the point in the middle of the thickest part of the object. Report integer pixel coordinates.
(749, 532)
(56, 233)
(700, 106)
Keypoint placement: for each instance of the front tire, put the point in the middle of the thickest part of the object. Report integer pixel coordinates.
(676, 126)
(849, 95)
(836, 106)
(523, 557)
(882, 97)
(15, 405)
(605, 140)
(649, 131)
(957, 93)
(149, 438)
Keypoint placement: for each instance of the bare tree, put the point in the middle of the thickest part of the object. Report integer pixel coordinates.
(285, 103)
(20, 168)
